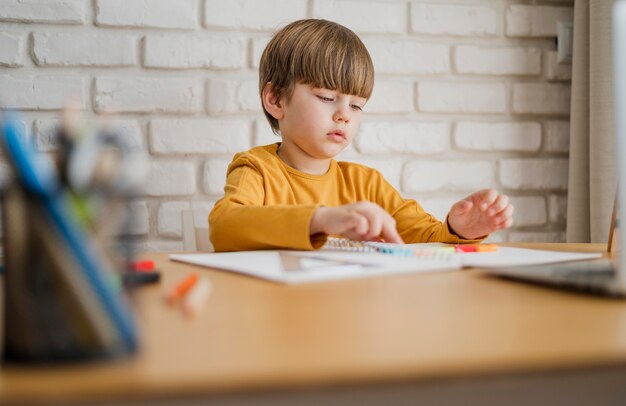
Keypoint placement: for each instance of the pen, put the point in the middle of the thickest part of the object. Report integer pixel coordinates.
(197, 296)
(179, 290)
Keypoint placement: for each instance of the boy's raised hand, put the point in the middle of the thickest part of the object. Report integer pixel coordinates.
(480, 213)
(362, 221)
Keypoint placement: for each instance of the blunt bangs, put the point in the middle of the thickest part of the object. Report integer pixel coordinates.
(319, 53)
(336, 60)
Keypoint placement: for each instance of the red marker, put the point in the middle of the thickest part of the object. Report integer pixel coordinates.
(142, 266)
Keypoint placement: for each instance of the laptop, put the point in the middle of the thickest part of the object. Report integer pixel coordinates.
(605, 276)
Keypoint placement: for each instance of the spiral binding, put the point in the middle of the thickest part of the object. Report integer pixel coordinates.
(344, 244)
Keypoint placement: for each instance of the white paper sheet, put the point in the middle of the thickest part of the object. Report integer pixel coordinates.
(316, 265)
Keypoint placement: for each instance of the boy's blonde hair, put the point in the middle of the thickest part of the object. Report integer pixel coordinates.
(319, 53)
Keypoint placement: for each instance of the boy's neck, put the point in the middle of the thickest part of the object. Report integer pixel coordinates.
(297, 159)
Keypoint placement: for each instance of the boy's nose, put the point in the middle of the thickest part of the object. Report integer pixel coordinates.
(342, 115)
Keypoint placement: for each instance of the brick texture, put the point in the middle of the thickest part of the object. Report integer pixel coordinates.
(84, 50)
(11, 49)
(448, 19)
(448, 97)
(155, 13)
(195, 136)
(477, 136)
(535, 21)
(179, 51)
(43, 11)
(177, 95)
(468, 95)
(497, 61)
(266, 15)
(381, 17)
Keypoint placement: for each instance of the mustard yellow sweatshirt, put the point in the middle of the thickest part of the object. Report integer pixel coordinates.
(268, 204)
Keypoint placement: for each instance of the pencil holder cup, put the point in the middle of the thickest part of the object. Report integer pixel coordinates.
(62, 297)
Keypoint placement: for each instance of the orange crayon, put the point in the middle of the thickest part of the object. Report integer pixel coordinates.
(181, 289)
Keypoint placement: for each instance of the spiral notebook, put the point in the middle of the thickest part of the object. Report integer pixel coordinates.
(343, 259)
(337, 260)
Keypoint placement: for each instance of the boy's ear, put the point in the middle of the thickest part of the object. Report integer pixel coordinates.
(271, 102)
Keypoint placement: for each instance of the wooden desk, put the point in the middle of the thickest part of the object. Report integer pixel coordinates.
(259, 341)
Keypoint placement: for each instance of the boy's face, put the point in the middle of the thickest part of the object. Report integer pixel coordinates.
(320, 122)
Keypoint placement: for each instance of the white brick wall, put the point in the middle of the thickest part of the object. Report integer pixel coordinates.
(468, 95)
(253, 14)
(231, 96)
(148, 95)
(11, 49)
(140, 218)
(535, 21)
(214, 176)
(386, 16)
(556, 71)
(457, 97)
(391, 97)
(557, 136)
(44, 11)
(453, 19)
(199, 136)
(84, 50)
(40, 92)
(430, 176)
(182, 51)
(490, 136)
(417, 57)
(539, 98)
(405, 137)
(478, 60)
(155, 13)
(533, 173)
(170, 179)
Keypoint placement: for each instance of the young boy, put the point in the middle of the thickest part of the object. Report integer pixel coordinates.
(315, 78)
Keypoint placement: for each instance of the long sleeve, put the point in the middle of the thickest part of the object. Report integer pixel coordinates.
(268, 204)
(242, 219)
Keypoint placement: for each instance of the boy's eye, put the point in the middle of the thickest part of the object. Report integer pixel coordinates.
(326, 99)
(357, 107)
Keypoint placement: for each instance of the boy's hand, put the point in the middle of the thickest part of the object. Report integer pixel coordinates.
(362, 221)
(480, 213)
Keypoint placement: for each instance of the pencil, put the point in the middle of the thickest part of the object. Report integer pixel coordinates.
(179, 290)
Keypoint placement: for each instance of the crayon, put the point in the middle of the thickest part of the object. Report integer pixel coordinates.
(180, 290)
(196, 298)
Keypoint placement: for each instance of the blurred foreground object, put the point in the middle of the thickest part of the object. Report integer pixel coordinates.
(61, 302)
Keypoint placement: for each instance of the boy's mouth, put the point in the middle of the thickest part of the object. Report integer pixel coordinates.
(337, 135)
